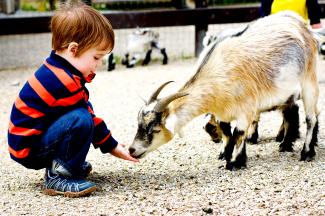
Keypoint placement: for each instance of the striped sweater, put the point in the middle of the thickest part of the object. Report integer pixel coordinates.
(55, 89)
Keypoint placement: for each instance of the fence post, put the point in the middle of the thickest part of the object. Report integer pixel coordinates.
(179, 4)
(200, 29)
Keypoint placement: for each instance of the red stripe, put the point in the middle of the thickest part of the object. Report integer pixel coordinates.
(49, 99)
(69, 100)
(41, 91)
(78, 80)
(22, 131)
(90, 110)
(20, 105)
(97, 120)
(19, 154)
(64, 78)
(106, 138)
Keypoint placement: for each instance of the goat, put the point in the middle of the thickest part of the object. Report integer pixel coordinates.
(289, 130)
(142, 41)
(267, 67)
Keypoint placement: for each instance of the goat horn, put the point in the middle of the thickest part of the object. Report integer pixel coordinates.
(154, 96)
(162, 103)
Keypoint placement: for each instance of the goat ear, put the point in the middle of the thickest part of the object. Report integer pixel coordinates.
(170, 122)
(170, 125)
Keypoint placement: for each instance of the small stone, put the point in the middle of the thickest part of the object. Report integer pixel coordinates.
(208, 210)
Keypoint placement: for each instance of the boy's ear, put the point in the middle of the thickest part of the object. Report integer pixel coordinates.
(73, 49)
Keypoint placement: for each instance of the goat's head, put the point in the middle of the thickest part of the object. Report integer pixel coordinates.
(227, 33)
(152, 131)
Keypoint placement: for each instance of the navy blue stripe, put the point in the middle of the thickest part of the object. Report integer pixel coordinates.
(100, 132)
(51, 83)
(19, 119)
(31, 99)
(16, 141)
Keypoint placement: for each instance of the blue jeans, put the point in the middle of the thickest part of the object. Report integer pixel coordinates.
(67, 141)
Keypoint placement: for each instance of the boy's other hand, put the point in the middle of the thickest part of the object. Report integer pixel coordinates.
(316, 26)
(120, 152)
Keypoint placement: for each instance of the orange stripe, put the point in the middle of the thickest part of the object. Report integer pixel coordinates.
(69, 100)
(97, 120)
(64, 78)
(41, 91)
(19, 154)
(20, 105)
(90, 110)
(49, 99)
(78, 80)
(101, 142)
(22, 131)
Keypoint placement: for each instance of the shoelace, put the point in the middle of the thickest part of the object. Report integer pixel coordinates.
(57, 183)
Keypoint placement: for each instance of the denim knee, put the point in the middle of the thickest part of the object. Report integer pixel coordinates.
(81, 122)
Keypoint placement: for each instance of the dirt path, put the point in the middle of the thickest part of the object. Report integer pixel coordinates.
(184, 177)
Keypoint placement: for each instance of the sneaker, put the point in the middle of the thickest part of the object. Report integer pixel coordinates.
(87, 168)
(69, 187)
(59, 169)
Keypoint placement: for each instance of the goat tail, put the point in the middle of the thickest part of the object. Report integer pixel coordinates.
(319, 35)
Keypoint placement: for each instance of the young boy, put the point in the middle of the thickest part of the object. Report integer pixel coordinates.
(52, 122)
(307, 9)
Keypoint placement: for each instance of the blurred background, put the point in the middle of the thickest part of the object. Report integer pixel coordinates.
(25, 40)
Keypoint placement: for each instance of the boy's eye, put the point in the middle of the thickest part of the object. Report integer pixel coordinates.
(96, 58)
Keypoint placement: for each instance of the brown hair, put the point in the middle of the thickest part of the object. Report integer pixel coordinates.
(80, 23)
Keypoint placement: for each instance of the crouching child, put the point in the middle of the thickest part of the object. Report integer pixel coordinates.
(52, 122)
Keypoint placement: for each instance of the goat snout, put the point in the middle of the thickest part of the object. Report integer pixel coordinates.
(131, 150)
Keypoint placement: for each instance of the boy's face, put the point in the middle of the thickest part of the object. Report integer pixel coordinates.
(88, 62)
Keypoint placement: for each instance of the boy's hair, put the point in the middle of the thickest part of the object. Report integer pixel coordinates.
(80, 23)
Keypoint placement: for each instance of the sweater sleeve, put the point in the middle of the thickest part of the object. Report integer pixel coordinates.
(313, 11)
(102, 138)
(265, 8)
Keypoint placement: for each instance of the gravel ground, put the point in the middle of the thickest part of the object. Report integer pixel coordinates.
(183, 177)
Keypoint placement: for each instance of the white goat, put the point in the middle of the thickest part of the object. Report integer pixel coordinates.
(289, 130)
(142, 41)
(268, 66)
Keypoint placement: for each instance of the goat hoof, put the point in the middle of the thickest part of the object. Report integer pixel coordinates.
(216, 140)
(307, 156)
(222, 156)
(111, 67)
(233, 166)
(279, 137)
(252, 140)
(285, 147)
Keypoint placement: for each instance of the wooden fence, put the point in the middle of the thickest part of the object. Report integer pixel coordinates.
(199, 17)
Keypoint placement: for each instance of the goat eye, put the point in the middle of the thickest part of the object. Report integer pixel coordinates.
(156, 131)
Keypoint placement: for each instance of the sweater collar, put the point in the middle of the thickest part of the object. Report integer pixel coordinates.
(60, 62)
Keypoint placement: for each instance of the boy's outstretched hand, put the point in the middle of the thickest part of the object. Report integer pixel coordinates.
(120, 152)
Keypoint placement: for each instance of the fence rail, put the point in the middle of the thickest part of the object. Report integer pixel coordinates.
(199, 17)
(20, 24)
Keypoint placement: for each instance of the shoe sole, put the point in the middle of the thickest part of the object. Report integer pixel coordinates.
(52, 192)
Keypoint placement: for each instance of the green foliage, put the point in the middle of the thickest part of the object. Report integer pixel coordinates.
(34, 5)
